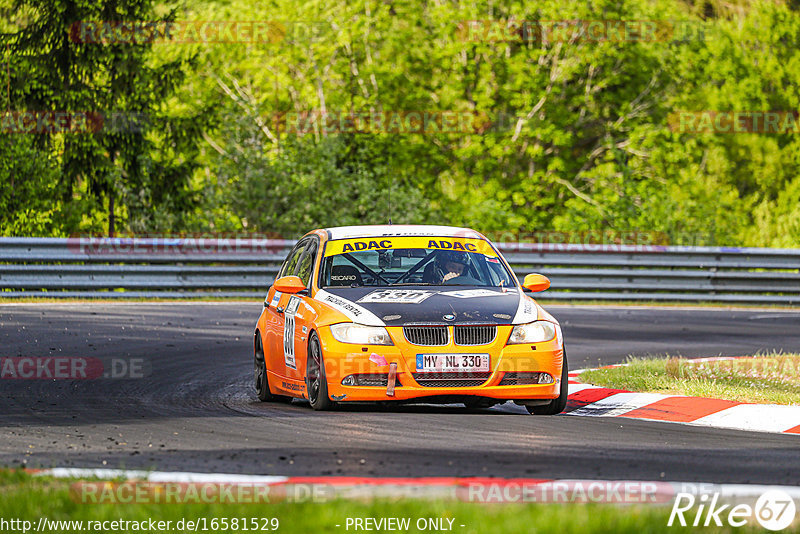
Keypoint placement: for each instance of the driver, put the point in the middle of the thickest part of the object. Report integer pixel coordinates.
(452, 264)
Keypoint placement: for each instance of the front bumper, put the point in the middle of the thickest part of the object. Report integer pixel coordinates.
(343, 359)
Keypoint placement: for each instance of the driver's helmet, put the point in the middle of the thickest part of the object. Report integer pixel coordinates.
(450, 256)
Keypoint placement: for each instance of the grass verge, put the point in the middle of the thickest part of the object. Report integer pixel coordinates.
(762, 378)
(28, 498)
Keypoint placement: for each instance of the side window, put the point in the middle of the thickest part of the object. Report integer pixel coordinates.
(290, 263)
(499, 275)
(306, 264)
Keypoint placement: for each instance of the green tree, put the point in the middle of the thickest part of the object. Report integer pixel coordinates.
(138, 162)
(28, 185)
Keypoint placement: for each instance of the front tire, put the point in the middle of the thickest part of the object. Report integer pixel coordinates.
(262, 377)
(558, 404)
(316, 381)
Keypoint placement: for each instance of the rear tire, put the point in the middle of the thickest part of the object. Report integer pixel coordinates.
(558, 404)
(316, 381)
(262, 377)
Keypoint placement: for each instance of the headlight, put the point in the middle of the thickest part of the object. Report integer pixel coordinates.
(360, 334)
(535, 332)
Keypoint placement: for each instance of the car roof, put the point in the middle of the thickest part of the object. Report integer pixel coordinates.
(384, 230)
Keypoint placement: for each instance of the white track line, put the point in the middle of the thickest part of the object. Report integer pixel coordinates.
(618, 404)
(162, 476)
(759, 417)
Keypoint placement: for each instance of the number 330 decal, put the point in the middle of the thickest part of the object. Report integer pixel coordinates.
(289, 332)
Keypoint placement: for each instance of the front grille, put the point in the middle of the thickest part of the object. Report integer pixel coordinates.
(517, 379)
(451, 380)
(426, 335)
(475, 335)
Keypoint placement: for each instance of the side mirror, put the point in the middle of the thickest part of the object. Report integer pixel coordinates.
(536, 282)
(289, 284)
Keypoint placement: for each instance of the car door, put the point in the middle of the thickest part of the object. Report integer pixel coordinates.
(297, 318)
(275, 306)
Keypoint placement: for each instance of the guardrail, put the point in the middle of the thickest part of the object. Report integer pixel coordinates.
(188, 267)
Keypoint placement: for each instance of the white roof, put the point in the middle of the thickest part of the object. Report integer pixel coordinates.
(347, 232)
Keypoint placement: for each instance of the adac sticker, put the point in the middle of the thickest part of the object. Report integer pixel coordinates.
(346, 246)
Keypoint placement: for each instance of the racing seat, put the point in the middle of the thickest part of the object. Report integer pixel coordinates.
(429, 274)
(345, 275)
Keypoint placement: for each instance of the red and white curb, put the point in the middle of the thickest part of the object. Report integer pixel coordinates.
(597, 401)
(467, 489)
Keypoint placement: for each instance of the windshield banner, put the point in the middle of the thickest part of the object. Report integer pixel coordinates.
(345, 246)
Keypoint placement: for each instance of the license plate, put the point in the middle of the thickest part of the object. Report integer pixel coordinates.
(444, 363)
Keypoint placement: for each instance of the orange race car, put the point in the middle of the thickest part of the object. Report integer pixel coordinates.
(395, 313)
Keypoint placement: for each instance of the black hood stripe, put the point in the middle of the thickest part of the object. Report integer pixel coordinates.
(426, 305)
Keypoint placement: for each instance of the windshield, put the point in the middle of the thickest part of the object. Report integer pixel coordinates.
(429, 261)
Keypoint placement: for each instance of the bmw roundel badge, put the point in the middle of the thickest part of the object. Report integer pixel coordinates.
(449, 317)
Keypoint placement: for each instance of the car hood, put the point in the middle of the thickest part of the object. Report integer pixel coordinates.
(405, 305)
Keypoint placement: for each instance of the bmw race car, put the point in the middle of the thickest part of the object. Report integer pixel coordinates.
(402, 313)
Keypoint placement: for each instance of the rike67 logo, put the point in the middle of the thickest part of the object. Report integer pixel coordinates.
(774, 510)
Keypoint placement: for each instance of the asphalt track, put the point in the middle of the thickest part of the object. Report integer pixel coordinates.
(197, 410)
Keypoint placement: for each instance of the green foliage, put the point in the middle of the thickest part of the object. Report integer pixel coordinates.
(582, 139)
(50, 70)
(28, 182)
(340, 180)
